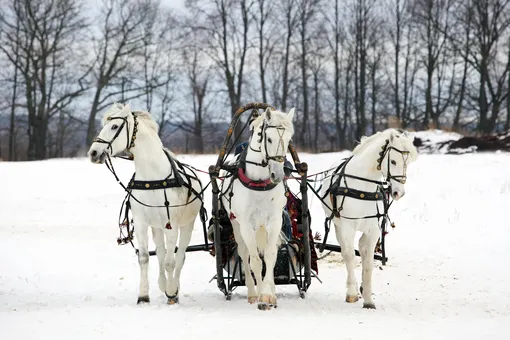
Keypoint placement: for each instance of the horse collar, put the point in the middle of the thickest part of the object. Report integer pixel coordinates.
(261, 185)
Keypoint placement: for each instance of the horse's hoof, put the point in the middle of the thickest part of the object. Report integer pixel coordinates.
(265, 302)
(143, 299)
(368, 305)
(173, 300)
(351, 298)
(252, 299)
(263, 306)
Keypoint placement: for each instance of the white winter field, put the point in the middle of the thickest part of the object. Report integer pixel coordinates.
(62, 275)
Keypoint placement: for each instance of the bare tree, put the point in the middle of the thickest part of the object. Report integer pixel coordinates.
(227, 24)
(363, 14)
(16, 57)
(335, 40)
(44, 32)
(308, 11)
(432, 18)
(398, 14)
(198, 74)
(487, 21)
(159, 65)
(121, 40)
(461, 39)
(267, 37)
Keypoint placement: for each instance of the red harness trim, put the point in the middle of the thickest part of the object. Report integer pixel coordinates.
(248, 182)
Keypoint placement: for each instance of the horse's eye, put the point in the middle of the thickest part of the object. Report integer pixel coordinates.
(393, 162)
(269, 140)
(115, 127)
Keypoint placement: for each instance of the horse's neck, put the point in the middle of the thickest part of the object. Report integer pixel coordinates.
(151, 162)
(363, 167)
(253, 171)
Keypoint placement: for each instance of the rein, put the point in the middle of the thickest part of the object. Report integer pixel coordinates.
(381, 194)
(129, 144)
(176, 181)
(263, 138)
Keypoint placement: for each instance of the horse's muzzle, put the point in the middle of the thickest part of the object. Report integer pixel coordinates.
(275, 179)
(96, 157)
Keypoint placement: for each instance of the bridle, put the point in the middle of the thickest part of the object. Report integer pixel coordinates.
(130, 142)
(386, 151)
(263, 141)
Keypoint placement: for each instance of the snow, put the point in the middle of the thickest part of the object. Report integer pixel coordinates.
(62, 275)
(438, 141)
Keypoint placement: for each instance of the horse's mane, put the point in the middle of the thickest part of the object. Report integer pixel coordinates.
(403, 138)
(277, 118)
(147, 118)
(141, 115)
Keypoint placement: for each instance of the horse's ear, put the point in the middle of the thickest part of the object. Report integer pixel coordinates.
(291, 114)
(268, 113)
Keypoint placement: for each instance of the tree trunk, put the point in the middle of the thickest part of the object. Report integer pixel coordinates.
(336, 59)
(317, 111)
(261, 51)
(482, 98)
(304, 79)
(397, 60)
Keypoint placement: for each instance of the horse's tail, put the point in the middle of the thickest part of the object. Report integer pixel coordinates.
(261, 239)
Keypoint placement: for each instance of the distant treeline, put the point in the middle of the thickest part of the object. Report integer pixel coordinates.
(350, 67)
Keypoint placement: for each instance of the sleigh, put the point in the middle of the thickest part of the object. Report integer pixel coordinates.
(296, 261)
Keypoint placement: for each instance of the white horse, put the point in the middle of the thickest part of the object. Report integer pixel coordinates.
(165, 195)
(352, 198)
(255, 209)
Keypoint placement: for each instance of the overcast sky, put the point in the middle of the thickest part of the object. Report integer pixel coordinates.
(174, 3)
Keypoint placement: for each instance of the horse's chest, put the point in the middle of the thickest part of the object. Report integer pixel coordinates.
(257, 206)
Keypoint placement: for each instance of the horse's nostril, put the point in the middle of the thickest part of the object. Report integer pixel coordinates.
(93, 153)
(273, 176)
(395, 194)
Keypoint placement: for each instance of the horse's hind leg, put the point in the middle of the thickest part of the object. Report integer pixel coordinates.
(141, 234)
(367, 244)
(244, 255)
(159, 240)
(174, 284)
(345, 235)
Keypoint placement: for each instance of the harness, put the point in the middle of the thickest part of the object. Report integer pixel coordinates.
(180, 179)
(382, 192)
(129, 144)
(239, 171)
(263, 138)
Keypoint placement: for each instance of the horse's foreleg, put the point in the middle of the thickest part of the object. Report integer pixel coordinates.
(159, 240)
(255, 263)
(141, 234)
(242, 250)
(270, 254)
(171, 242)
(367, 244)
(184, 239)
(345, 235)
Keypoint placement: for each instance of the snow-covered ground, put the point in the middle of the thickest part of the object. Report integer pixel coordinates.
(62, 275)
